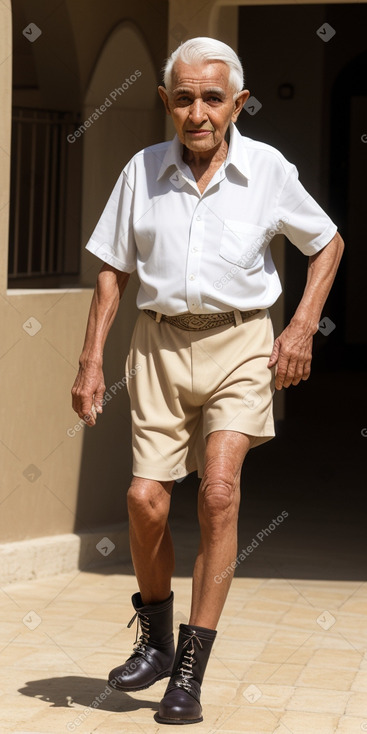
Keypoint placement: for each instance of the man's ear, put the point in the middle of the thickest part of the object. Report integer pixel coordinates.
(162, 91)
(240, 100)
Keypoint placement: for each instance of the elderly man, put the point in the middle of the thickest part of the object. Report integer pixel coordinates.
(194, 217)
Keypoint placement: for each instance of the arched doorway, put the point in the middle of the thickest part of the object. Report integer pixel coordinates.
(124, 82)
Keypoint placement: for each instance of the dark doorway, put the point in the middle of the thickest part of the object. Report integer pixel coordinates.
(313, 94)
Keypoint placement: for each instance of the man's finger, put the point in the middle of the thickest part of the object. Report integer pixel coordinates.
(91, 417)
(98, 398)
(282, 372)
(306, 370)
(87, 411)
(274, 355)
(298, 372)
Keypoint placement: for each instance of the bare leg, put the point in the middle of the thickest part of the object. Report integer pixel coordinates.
(218, 505)
(150, 537)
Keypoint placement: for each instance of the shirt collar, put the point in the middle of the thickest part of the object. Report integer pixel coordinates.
(236, 156)
(237, 153)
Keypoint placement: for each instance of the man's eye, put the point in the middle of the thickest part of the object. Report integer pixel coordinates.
(214, 99)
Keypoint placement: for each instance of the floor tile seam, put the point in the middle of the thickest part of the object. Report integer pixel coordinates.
(280, 602)
(315, 582)
(296, 688)
(322, 691)
(335, 668)
(304, 632)
(297, 606)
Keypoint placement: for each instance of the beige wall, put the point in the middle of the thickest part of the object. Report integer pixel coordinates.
(36, 413)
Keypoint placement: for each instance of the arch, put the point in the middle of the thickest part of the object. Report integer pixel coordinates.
(123, 52)
(56, 74)
(124, 82)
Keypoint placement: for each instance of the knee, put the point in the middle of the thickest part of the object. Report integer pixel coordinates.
(219, 492)
(147, 503)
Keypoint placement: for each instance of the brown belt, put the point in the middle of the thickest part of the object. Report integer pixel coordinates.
(202, 321)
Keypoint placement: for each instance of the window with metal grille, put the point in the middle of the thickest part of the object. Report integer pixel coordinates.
(44, 227)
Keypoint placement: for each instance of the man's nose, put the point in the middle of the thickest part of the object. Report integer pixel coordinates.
(198, 112)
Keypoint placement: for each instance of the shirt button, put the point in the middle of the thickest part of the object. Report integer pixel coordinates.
(191, 277)
(195, 249)
(198, 218)
(194, 304)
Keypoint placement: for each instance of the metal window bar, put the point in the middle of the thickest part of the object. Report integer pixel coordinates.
(40, 178)
(17, 194)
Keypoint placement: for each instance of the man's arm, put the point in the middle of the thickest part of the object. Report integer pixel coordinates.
(89, 386)
(292, 352)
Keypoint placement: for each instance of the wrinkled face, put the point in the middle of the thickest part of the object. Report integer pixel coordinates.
(201, 104)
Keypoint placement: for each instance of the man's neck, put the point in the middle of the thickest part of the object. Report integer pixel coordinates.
(205, 159)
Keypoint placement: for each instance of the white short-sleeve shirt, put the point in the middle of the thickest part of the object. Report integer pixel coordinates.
(209, 252)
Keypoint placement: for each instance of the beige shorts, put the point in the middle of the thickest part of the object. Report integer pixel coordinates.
(185, 384)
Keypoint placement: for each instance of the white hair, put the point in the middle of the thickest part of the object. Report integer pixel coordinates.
(202, 49)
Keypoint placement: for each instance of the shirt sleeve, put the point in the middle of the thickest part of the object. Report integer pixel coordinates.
(113, 238)
(305, 223)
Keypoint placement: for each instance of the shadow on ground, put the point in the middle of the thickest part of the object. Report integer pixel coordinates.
(64, 691)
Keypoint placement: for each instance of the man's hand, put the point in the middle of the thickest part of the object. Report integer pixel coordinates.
(89, 386)
(292, 353)
(88, 391)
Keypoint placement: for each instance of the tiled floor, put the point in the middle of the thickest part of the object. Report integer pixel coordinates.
(289, 657)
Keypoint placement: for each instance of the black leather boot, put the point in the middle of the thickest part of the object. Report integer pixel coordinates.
(154, 651)
(181, 701)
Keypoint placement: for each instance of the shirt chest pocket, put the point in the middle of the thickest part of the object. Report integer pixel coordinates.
(242, 243)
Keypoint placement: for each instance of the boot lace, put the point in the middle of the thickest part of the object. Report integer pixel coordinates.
(185, 671)
(141, 643)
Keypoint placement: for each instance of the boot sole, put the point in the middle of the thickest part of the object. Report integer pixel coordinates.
(162, 720)
(140, 688)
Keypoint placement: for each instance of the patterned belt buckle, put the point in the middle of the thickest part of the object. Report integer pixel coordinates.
(202, 322)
